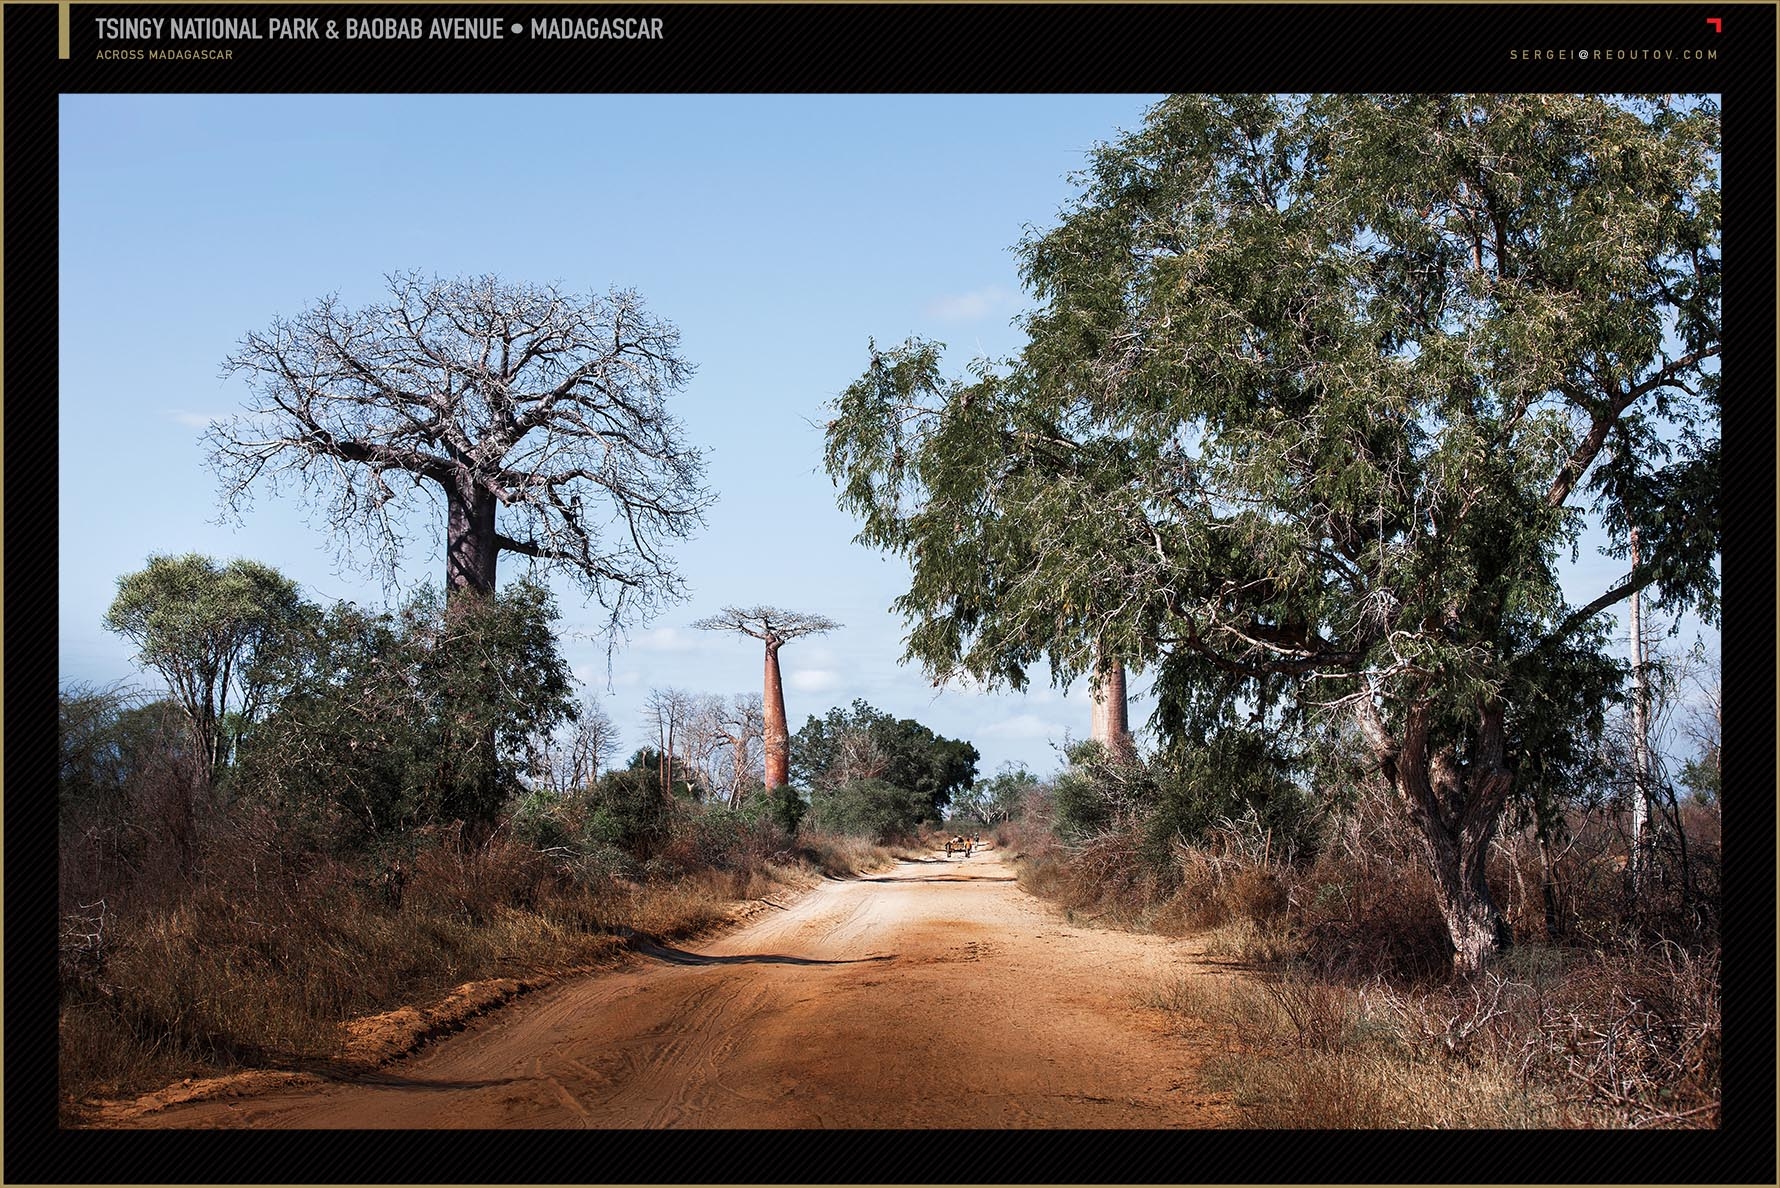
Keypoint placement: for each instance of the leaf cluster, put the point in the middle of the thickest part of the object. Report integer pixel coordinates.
(862, 743)
(1318, 393)
(411, 717)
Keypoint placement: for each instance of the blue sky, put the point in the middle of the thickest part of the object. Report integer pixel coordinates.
(779, 233)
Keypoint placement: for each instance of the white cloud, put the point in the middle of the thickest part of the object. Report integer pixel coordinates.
(191, 420)
(814, 680)
(971, 306)
(670, 639)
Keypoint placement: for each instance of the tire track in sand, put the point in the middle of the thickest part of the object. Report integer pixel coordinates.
(934, 994)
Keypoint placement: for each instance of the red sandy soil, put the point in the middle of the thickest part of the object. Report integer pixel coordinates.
(936, 994)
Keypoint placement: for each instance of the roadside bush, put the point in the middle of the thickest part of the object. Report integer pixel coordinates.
(784, 807)
(388, 719)
(1233, 775)
(1628, 1038)
(626, 808)
(841, 855)
(874, 809)
(722, 839)
(1372, 919)
(543, 820)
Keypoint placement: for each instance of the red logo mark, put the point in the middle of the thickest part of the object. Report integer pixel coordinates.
(1717, 24)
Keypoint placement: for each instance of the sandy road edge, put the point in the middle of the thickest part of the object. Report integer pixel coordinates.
(372, 1041)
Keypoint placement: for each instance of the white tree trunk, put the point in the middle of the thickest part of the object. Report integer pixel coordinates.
(1638, 858)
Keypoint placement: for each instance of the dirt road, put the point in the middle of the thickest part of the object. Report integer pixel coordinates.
(936, 994)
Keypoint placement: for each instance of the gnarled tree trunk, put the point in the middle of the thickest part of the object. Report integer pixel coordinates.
(1454, 809)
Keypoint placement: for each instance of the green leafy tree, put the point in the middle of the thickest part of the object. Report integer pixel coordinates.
(785, 807)
(396, 720)
(1009, 792)
(209, 630)
(877, 809)
(1317, 394)
(866, 744)
(627, 809)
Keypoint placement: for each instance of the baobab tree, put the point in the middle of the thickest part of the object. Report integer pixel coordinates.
(776, 628)
(538, 418)
(1110, 725)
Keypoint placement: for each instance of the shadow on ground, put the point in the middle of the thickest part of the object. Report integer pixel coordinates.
(683, 957)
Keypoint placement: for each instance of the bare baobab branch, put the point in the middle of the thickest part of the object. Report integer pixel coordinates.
(539, 416)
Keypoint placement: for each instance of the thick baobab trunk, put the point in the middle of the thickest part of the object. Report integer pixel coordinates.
(1453, 810)
(471, 544)
(777, 739)
(775, 628)
(1110, 726)
(471, 548)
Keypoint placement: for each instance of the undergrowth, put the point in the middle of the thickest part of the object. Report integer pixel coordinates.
(257, 957)
(1327, 980)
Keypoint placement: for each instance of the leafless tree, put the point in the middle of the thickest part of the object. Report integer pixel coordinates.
(702, 742)
(540, 419)
(1704, 724)
(857, 757)
(743, 725)
(666, 712)
(570, 759)
(776, 628)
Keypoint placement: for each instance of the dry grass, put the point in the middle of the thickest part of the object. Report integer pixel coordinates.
(839, 855)
(259, 963)
(1627, 1041)
(1346, 1017)
(1243, 939)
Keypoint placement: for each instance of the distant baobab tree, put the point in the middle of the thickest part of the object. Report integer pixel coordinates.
(1110, 723)
(539, 418)
(776, 628)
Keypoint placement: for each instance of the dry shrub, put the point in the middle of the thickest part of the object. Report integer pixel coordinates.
(1308, 1054)
(1318, 1013)
(1109, 878)
(1372, 919)
(1046, 875)
(841, 855)
(721, 841)
(475, 882)
(1115, 879)
(1242, 939)
(257, 962)
(1635, 1034)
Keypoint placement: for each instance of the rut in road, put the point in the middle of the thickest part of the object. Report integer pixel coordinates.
(936, 994)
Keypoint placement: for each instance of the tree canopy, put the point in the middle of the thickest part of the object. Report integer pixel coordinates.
(863, 743)
(209, 630)
(1318, 395)
(539, 419)
(425, 715)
